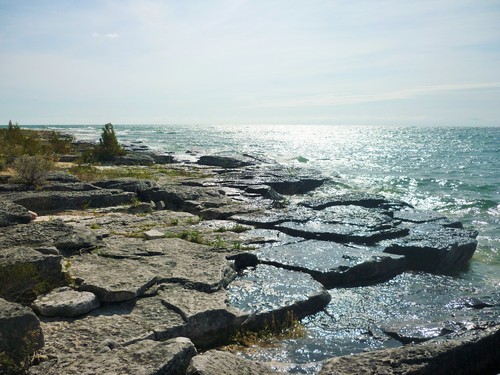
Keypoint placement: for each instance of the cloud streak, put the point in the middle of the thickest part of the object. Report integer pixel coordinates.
(338, 100)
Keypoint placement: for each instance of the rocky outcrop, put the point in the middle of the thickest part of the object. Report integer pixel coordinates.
(20, 336)
(133, 158)
(143, 357)
(215, 362)
(475, 353)
(12, 214)
(65, 302)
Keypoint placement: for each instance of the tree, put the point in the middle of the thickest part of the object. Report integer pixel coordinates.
(108, 146)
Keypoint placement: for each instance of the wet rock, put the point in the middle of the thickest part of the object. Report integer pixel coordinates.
(356, 199)
(143, 357)
(223, 161)
(66, 200)
(209, 319)
(332, 264)
(66, 238)
(162, 158)
(269, 294)
(20, 334)
(418, 331)
(65, 302)
(474, 353)
(111, 280)
(25, 272)
(11, 214)
(417, 216)
(215, 362)
(431, 247)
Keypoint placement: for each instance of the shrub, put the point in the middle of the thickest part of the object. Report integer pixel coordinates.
(108, 146)
(32, 170)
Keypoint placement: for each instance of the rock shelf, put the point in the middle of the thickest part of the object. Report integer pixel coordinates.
(139, 276)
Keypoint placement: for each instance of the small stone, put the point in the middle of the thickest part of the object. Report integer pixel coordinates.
(33, 215)
(160, 205)
(153, 234)
(65, 302)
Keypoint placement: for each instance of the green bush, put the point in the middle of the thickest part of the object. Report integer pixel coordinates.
(108, 146)
(32, 170)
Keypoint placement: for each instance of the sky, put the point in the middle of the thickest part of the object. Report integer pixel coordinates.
(375, 62)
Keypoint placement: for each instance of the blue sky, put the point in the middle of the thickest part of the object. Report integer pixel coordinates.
(262, 61)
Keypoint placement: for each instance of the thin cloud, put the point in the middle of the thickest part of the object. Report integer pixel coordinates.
(378, 97)
(108, 35)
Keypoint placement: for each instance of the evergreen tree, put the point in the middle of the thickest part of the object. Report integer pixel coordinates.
(108, 146)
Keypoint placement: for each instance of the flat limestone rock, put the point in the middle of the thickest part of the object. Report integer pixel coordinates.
(175, 260)
(269, 294)
(208, 316)
(475, 353)
(432, 247)
(145, 357)
(356, 199)
(122, 322)
(417, 216)
(215, 362)
(65, 302)
(111, 280)
(64, 237)
(333, 264)
(153, 234)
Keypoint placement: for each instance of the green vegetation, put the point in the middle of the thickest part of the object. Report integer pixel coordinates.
(271, 333)
(32, 170)
(15, 142)
(107, 148)
(18, 362)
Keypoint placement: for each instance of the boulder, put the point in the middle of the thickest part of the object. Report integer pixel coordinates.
(215, 362)
(20, 336)
(162, 158)
(145, 357)
(111, 280)
(12, 214)
(25, 273)
(66, 238)
(333, 264)
(474, 353)
(65, 302)
(274, 296)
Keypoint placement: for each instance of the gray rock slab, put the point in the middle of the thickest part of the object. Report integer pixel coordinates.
(123, 323)
(12, 214)
(111, 280)
(333, 264)
(417, 216)
(24, 272)
(431, 247)
(223, 161)
(64, 237)
(269, 294)
(153, 234)
(356, 199)
(175, 260)
(20, 332)
(146, 357)
(431, 358)
(44, 201)
(65, 302)
(215, 362)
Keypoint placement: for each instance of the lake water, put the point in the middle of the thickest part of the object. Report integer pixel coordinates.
(452, 170)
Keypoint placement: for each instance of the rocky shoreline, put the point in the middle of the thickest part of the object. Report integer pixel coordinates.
(155, 276)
